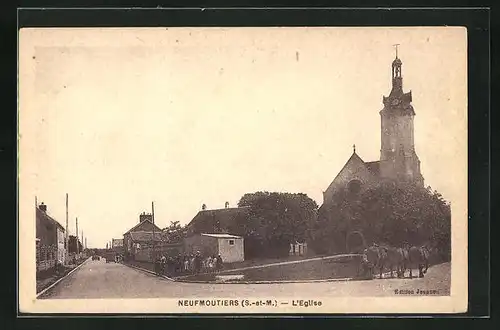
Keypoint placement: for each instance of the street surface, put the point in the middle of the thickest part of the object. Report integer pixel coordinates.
(98, 279)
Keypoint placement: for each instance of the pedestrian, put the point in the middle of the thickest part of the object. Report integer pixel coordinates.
(197, 262)
(178, 264)
(170, 266)
(219, 263)
(191, 263)
(163, 263)
(205, 264)
(210, 264)
(155, 265)
(186, 264)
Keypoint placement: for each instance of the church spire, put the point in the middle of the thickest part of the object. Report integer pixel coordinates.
(397, 79)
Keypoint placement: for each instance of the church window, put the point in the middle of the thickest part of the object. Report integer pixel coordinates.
(354, 186)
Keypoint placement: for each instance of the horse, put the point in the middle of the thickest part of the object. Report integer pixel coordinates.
(374, 257)
(396, 260)
(419, 257)
(406, 260)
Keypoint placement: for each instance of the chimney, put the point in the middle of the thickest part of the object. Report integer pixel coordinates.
(43, 207)
(145, 216)
(227, 205)
(204, 207)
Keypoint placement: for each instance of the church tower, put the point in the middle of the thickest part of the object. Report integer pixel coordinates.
(398, 159)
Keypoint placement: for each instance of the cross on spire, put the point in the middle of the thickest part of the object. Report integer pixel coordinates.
(354, 148)
(396, 46)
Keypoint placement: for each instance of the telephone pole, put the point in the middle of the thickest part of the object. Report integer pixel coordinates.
(76, 237)
(66, 238)
(153, 220)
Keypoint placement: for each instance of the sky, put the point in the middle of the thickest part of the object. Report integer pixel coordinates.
(118, 118)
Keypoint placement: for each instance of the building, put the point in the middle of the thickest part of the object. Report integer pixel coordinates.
(137, 237)
(298, 249)
(144, 248)
(217, 221)
(142, 244)
(117, 245)
(229, 247)
(50, 240)
(398, 158)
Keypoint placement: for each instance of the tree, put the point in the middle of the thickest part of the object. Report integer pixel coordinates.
(275, 220)
(72, 243)
(328, 233)
(388, 213)
(175, 232)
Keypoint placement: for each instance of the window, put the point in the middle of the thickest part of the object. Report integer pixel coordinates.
(231, 242)
(354, 186)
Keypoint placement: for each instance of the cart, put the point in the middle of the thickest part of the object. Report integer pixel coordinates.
(110, 256)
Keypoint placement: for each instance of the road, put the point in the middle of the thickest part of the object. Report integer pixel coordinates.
(97, 279)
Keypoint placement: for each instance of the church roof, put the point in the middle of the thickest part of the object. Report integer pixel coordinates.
(374, 167)
(397, 61)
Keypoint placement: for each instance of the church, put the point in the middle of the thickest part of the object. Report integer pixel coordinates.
(398, 159)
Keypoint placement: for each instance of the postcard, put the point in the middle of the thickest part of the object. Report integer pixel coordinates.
(243, 170)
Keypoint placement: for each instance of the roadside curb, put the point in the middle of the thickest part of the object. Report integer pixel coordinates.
(149, 272)
(344, 279)
(62, 278)
(273, 282)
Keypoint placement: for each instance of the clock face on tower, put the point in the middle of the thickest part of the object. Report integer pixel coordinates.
(395, 102)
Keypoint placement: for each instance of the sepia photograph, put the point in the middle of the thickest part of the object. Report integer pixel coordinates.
(243, 170)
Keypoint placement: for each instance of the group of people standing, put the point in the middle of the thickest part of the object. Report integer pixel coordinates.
(187, 264)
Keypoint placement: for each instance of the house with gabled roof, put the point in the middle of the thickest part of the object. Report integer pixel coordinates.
(50, 240)
(140, 234)
(217, 220)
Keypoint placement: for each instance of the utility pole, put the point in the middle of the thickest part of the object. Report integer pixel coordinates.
(153, 220)
(153, 212)
(67, 233)
(76, 236)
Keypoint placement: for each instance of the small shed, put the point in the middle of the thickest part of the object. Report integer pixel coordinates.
(229, 247)
(298, 249)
